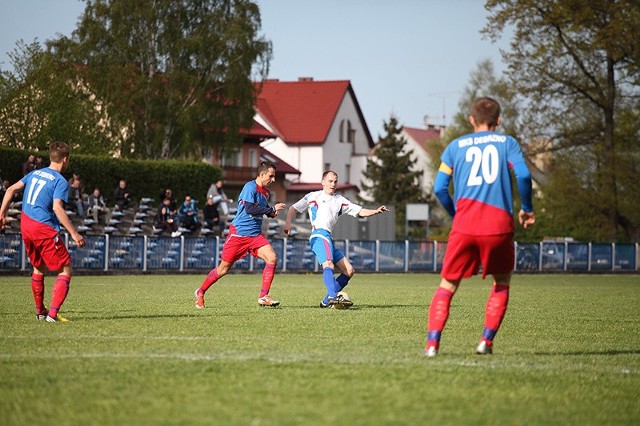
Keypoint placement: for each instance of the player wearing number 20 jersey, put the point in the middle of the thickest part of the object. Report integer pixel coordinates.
(483, 226)
(479, 164)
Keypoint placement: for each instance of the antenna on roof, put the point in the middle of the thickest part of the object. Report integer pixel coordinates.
(443, 96)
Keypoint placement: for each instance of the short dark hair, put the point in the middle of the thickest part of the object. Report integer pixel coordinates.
(327, 172)
(58, 151)
(264, 166)
(486, 110)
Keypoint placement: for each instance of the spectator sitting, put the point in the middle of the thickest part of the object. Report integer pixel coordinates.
(122, 195)
(77, 194)
(173, 206)
(188, 214)
(212, 217)
(29, 165)
(164, 220)
(98, 207)
(40, 163)
(219, 197)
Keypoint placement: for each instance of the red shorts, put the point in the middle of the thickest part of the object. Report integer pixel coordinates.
(237, 246)
(50, 251)
(465, 253)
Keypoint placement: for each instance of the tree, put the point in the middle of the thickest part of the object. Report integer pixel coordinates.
(175, 76)
(578, 64)
(39, 104)
(389, 175)
(484, 82)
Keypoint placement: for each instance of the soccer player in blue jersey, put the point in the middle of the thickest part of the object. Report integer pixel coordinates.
(482, 211)
(45, 192)
(325, 207)
(245, 235)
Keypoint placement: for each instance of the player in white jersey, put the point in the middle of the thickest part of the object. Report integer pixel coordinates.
(325, 207)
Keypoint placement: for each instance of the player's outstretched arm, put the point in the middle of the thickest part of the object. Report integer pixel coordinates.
(276, 209)
(369, 212)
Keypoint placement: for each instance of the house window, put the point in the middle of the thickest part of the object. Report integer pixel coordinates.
(347, 172)
(231, 159)
(327, 166)
(253, 158)
(351, 136)
(347, 133)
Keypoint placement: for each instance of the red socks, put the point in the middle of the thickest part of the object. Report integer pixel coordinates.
(211, 278)
(59, 294)
(438, 315)
(37, 287)
(494, 314)
(267, 278)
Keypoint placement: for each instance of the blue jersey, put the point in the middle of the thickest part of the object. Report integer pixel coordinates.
(479, 164)
(246, 224)
(41, 188)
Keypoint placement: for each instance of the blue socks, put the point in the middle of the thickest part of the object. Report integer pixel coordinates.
(330, 283)
(334, 285)
(342, 281)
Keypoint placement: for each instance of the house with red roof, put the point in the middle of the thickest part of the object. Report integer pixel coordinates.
(316, 126)
(417, 141)
(239, 166)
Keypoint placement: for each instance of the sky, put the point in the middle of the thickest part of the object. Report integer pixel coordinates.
(406, 58)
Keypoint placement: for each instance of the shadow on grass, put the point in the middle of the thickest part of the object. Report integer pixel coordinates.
(78, 316)
(608, 352)
(357, 307)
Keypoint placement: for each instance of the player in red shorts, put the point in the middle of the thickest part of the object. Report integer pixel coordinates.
(45, 191)
(245, 235)
(482, 231)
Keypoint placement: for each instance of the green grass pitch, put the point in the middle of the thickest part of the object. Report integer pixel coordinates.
(137, 352)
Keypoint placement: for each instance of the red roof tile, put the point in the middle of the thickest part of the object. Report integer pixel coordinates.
(301, 112)
(257, 130)
(422, 136)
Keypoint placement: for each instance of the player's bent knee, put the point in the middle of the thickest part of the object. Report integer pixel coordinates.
(328, 264)
(65, 270)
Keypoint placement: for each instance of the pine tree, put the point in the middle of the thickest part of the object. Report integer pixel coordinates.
(389, 176)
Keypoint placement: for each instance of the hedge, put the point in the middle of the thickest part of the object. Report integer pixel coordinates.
(145, 178)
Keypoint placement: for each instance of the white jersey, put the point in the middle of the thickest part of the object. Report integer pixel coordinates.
(325, 209)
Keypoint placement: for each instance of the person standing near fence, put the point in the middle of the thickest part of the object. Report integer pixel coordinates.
(325, 207)
(45, 192)
(245, 235)
(482, 211)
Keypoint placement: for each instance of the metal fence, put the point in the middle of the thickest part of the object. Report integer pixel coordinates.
(148, 254)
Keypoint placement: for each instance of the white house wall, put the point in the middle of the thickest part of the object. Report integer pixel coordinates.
(423, 162)
(338, 154)
(311, 159)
